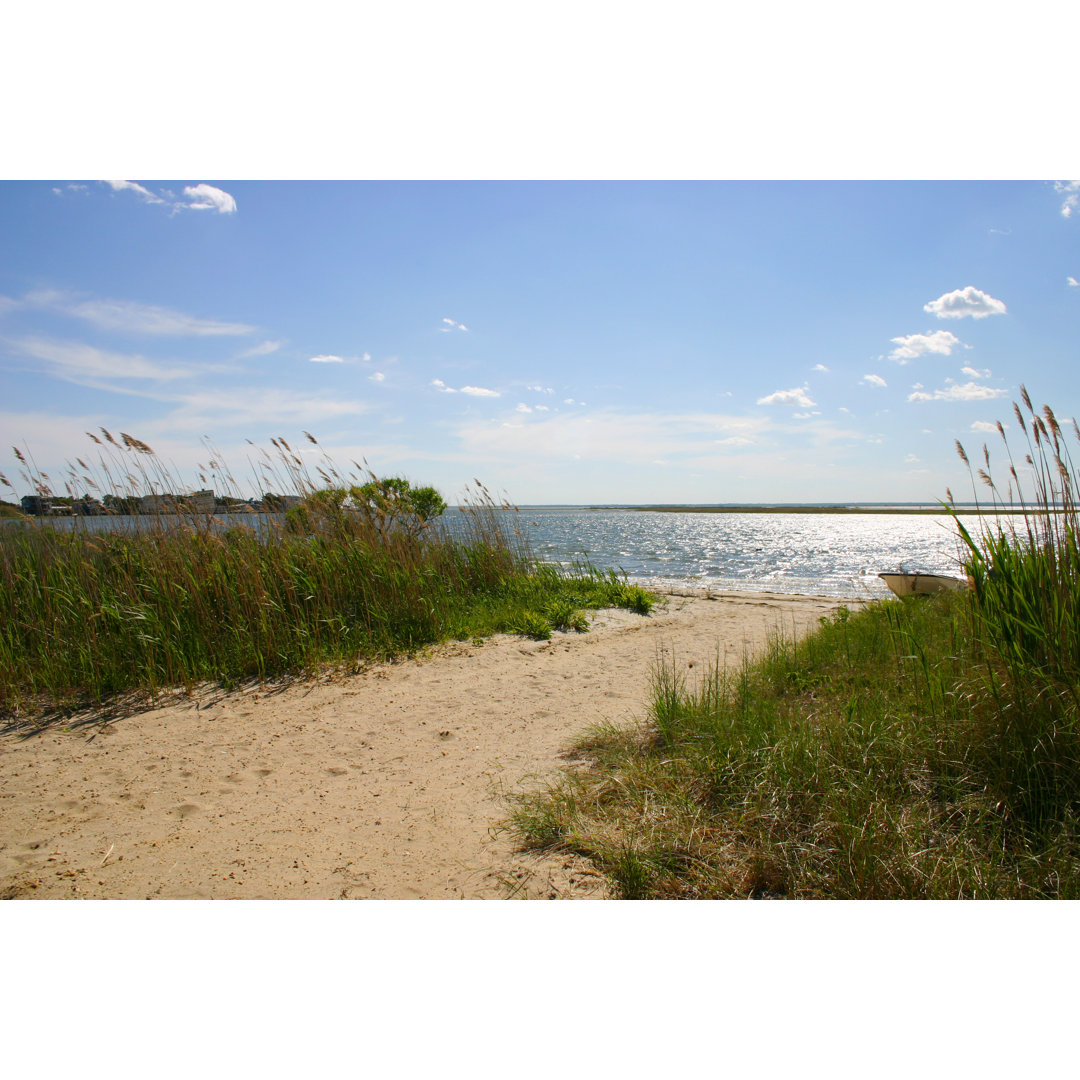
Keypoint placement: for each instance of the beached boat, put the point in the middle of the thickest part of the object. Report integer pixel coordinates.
(914, 583)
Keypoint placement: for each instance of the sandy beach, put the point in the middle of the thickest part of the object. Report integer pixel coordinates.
(384, 784)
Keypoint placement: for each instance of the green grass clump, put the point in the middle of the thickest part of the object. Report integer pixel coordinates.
(355, 572)
(924, 748)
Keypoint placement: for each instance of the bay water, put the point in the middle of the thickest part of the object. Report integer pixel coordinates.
(827, 554)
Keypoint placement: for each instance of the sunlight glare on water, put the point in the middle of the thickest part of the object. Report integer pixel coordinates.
(825, 554)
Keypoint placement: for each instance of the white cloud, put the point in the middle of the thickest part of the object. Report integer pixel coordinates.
(264, 349)
(963, 302)
(129, 317)
(479, 391)
(77, 362)
(205, 197)
(210, 411)
(541, 389)
(915, 345)
(523, 408)
(819, 367)
(440, 385)
(1070, 280)
(985, 425)
(1071, 190)
(911, 459)
(377, 377)
(975, 373)
(138, 189)
(797, 396)
(873, 380)
(326, 358)
(958, 392)
(451, 325)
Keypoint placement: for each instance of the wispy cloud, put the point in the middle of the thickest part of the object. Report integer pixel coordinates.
(78, 189)
(326, 358)
(798, 396)
(376, 377)
(128, 317)
(975, 373)
(985, 426)
(452, 325)
(913, 346)
(958, 392)
(873, 380)
(1070, 189)
(541, 389)
(78, 362)
(472, 391)
(961, 303)
(144, 194)
(209, 411)
(1070, 280)
(819, 367)
(264, 349)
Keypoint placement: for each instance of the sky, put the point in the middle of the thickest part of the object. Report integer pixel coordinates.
(560, 341)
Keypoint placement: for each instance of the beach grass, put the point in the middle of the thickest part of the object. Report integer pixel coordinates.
(181, 600)
(921, 748)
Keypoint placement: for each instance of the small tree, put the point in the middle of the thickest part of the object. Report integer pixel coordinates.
(393, 502)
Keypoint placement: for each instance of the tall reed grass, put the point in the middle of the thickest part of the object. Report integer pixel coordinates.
(173, 600)
(922, 748)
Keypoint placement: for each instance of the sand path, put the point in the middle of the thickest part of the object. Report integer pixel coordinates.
(383, 784)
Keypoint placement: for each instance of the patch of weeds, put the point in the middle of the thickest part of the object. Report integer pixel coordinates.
(530, 624)
(563, 616)
(637, 600)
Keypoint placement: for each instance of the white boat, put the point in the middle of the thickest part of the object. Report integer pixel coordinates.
(914, 583)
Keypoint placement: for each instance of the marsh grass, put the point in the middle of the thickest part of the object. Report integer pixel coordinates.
(923, 748)
(188, 598)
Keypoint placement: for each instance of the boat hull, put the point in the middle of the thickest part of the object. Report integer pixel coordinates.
(922, 584)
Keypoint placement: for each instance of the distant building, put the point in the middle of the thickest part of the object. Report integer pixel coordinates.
(198, 502)
(37, 505)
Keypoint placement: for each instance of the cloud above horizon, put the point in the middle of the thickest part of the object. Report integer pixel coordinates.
(797, 396)
(129, 317)
(961, 303)
(908, 348)
(958, 392)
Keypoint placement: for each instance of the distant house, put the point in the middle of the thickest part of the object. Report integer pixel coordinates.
(37, 505)
(198, 502)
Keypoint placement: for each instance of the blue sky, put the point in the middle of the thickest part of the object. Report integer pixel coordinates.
(564, 342)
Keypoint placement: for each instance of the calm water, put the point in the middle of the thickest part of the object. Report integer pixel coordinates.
(828, 554)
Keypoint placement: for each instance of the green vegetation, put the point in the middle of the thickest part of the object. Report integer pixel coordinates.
(358, 570)
(923, 748)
